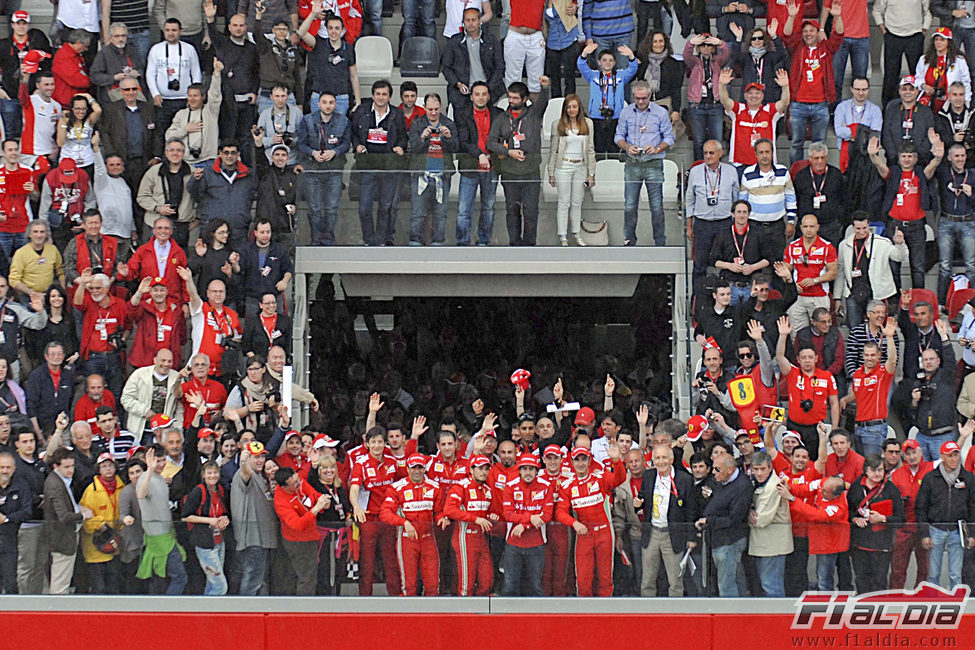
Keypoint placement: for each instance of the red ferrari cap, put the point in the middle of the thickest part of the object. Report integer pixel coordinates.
(585, 417)
(911, 443)
(206, 432)
(528, 460)
(103, 457)
(480, 460)
(580, 451)
(416, 460)
(552, 450)
(160, 421)
(950, 447)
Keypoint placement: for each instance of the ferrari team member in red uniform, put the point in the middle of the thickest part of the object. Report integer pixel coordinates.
(504, 471)
(829, 514)
(17, 181)
(556, 575)
(448, 468)
(584, 504)
(907, 539)
(413, 505)
(471, 503)
(371, 477)
(159, 323)
(527, 507)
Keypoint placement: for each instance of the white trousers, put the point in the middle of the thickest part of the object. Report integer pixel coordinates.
(569, 179)
(524, 50)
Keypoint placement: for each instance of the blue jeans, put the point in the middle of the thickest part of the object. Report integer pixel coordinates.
(109, 366)
(635, 176)
(487, 183)
(771, 571)
(871, 438)
(373, 10)
(322, 190)
(341, 103)
(253, 570)
(11, 241)
(950, 541)
(727, 560)
(803, 115)
(211, 561)
(523, 570)
(12, 115)
(707, 123)
(141, 41)
(176, 573)
(418, 20)
(966, 37)
(377, 187)
(825, 568)
(858, 51)
(950, 232)
(740, 294)
(611, 44)
(931, 445)
(426, 204)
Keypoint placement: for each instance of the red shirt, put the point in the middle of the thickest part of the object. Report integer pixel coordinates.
(156, 330)
(294, 511)
(417, 112)
(500, 476)
(417, 503)
(100, 323)
(85, 409)
(588, 498)
(849, 469)
(871, 390)
(810, 263)
(468, 500)
(214, 396)
(482, 119)
(13, 199)
(447, 474)
(300, 464)
(907, 203)
(909, 483)
(818, 388)
(747, 127)
(812, 89)
(373, 478)
(527, 13)
(215, 328)
(522, 500)
(144, 264)
(831, 534)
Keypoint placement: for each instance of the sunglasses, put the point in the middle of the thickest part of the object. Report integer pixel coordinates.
(757, 38)
(745, 355)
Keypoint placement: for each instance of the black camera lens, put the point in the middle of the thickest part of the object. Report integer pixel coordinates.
(806, 405)
(195, 152)
(173, 84)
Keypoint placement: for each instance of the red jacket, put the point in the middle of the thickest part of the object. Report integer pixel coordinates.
(85, 409)
(100, 323)
(300, 463)
(909, 484)
(520, 502)
(829, 529)
(588, 497)
(294, 511)
(143, 264)
(417, 503)
(794, 44)
(468, 500)
(151, 325)
(501, 476)
(70, 75)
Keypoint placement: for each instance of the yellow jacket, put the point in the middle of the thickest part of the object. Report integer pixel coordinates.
(105, 508)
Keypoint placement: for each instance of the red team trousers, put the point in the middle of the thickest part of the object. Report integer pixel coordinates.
(475, 572)
(594, 558)
(418, 555)
(556, 575)
(373, 533)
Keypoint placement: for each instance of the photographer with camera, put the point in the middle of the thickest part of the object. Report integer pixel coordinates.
(954, 121)
(933, 396)
(279, 124)
(106, 319)
(197, 125)
(810, 391)
(173, 65)
(712, 387)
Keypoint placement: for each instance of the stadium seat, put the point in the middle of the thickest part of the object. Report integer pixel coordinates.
(552, 113)
(958, 300)
(924, 295)
(609, 182)
(502, 103)
(374, 58)
(797, 167)
(672, 185)
(420, 57)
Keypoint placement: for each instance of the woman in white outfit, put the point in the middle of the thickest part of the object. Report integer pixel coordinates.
(571, 164)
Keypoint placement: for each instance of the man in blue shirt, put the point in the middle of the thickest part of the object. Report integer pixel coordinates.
(644, 133)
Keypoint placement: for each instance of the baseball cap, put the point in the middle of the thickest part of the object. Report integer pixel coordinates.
(793, 434)
(19, 16)
(255, 448)
(585, 417)
(160, 421)
(741, 433)
(911, 443)
(323, 440)
(492, 433)
(552, 449)
(133, 451)
(68, 167)
(528, 460)
(810, 21)
(206, 432)
(696, 426)
(520, 378)
(157, 281)
(480, 460)
(950, 447)
(291, 434)
(579, 451)
(286, 148)
(416, 460)
(102, 457)
(944, 32)
(908, 80)
(32, 60)
(755, 85)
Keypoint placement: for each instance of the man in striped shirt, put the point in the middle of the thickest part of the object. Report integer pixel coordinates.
(869, 331)
(767, 186)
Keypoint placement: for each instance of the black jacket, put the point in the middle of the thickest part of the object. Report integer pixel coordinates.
(379, 156)
(671, 81)
(754, 249)
(775, 59)
(727, 511)
(198, 502)
(936, 410)
(944, 505)
(43, 401)
(468, 149)
(864, 185)
(833, 210)
(115, 135)
(10, 60)
(257, 280)
(17, 504)
(682, 510)
(277, 188)
(726, 328)
(915, 343)
(879, 537)
(456, 65)
(33, 474)
(893, 133)
(255, 338)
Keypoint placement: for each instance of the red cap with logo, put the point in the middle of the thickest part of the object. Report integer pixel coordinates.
(585, 417)
(160, 421)
(32, 60)
(528, 460)
(950, 447)
(416, 460)
(480, 460)
(323, 440)
(552, 450)
(911, 443)
(103, 457)
(578, 452)
(696, 426)
(156, 282)
(20, 16)
(206, 432)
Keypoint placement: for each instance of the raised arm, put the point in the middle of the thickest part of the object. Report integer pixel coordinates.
(785, 329)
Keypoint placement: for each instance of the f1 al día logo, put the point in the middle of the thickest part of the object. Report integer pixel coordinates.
(928, 607)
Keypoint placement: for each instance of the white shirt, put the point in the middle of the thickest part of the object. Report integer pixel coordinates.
(162, 254)
(172, 61)
(80, 14)
(661, 499)
(114, 200)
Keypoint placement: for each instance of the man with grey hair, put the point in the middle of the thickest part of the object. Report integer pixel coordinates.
(72, 61)
(103, 329)
(770, 527)
(38, 263)
(711, 189)
(821, 191)
(116, 61)
(725, 521)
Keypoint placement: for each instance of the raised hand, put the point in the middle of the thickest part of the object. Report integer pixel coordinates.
(375, 403)
(782, 78)
(890, 326)
(754, 330)
(873, 146)
(785, 327)
(737, 31)
(419, 427)
(610, 386)
(727, 74)
(773, 27)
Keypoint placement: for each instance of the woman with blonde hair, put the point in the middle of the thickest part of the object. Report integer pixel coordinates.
(571, 164)
(332, 523)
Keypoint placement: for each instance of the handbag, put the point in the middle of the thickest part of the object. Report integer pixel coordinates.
(107, 540)
(594, 233)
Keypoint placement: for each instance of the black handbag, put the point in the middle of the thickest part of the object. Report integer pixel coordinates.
(107, 540)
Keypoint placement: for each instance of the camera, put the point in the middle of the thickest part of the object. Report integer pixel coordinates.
(926, 388)
(705, 381)
(195, 152)
(806, 405)
(117, 340)
(98, 268)
(606, 112)
(173, 85)
(288, 138)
